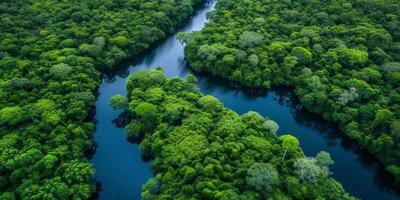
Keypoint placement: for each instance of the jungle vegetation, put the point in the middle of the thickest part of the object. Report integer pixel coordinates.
(51, 56)
(341, 57)
(202, 150)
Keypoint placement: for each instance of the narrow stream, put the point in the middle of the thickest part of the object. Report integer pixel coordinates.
(122, 172)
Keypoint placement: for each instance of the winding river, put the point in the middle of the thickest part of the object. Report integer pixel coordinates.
(121, 171)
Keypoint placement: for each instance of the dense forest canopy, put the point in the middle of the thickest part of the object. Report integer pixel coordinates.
(342, 57)
(202, 150)
(50, 56)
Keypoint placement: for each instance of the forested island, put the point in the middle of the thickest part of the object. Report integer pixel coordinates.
(51, 57)
(341, 57)
(202, 150)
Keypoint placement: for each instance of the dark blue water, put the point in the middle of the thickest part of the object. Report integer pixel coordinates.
(122, 172)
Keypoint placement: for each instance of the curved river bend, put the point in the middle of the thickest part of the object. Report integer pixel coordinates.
(122, 172)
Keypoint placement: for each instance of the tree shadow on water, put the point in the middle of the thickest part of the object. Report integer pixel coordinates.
(334, 136)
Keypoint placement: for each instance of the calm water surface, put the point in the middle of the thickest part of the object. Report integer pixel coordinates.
(122, 172)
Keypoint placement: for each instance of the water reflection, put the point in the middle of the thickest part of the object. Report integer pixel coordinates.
(120, 171)
(354, 167)
(118, 163)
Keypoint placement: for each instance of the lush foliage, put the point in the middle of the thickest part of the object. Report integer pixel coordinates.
(342, 58)
(50, 54)
(202, 150)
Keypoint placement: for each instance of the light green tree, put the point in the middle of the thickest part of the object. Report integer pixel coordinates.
(119, 102)
(307, 171)
(11, 115)
(250, 39)
(262, 177)
(60, 71)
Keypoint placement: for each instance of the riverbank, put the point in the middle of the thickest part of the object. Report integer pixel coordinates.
(118, 162)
